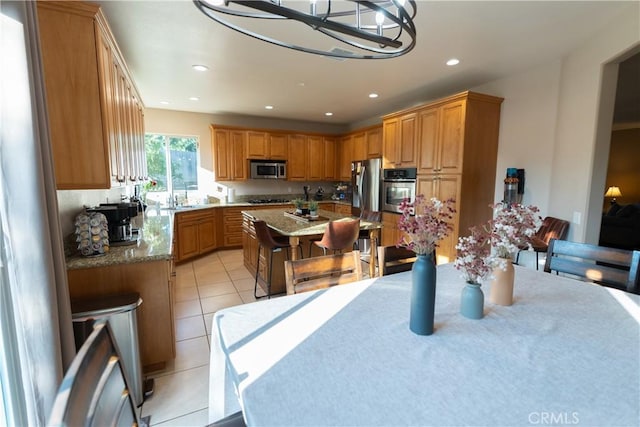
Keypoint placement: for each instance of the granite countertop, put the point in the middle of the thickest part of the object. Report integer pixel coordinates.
(154, 243)
(156, 234)
(288, 226)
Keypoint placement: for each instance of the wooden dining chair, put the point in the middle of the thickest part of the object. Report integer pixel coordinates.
(322, 272)
(551, 228)
(611, 267)
(94, 390)
(392, 259)
(338, 236)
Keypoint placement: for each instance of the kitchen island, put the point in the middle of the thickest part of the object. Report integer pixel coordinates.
(299, 231)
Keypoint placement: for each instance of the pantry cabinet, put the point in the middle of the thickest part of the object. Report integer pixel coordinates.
(96, 115)
(456, 141)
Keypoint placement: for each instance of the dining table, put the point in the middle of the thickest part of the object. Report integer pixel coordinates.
(565, 352)
(286, 223)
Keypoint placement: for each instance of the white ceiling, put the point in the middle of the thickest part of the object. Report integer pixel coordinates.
(161, 40)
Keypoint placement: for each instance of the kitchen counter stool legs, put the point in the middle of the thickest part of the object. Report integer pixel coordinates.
(272, 244)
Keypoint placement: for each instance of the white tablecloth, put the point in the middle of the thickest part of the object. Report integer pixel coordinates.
(565, 353)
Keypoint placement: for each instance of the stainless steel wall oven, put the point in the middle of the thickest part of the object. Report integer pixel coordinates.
(397, 184)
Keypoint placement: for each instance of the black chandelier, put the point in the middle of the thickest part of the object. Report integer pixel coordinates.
(368, 29)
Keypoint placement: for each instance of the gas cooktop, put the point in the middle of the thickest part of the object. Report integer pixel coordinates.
(265, 201)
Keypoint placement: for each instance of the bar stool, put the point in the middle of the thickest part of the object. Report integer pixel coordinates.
(370, 216)
(338, 235)
(272, 243)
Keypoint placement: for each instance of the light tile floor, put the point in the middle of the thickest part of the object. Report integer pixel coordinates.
(208, 284)
(203, 286)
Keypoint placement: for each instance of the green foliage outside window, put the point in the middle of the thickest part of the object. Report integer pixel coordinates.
(180, 173)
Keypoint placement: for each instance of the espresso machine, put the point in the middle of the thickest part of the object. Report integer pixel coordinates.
(119, 221)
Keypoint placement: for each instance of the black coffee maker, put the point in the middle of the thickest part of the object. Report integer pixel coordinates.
(119, 221)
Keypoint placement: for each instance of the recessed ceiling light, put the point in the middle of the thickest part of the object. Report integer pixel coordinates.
(453, 61)
(301, 84)
(164, 102)
(373, 95)
(268, 107)
(194, 98)
(328, 113)
(200, 67)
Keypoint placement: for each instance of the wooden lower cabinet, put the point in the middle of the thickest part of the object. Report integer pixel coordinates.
(195, 233)
(327, 206)
(443, 187)
(342, 209)
(231, 231)
(390, 232)
(154, 281)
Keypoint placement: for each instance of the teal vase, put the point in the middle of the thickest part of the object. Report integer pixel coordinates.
(423, 294)
(472, 301)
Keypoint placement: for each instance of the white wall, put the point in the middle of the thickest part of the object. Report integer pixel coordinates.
(527, 128)
(556, 123)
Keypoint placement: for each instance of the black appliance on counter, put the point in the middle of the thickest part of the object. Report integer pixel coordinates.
(119, 221)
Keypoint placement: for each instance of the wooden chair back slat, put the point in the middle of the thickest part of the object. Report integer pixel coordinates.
(606, 266)
(322, 272)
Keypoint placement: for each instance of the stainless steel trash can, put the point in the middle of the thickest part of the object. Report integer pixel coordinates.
(121, 313)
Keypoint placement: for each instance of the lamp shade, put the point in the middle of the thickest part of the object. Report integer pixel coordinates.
(613, 192)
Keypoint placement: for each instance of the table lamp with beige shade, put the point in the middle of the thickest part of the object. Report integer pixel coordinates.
(613, 192)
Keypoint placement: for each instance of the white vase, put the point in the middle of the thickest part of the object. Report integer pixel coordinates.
(501, 291)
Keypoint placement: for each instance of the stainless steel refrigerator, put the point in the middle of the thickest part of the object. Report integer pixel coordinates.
(365, 184)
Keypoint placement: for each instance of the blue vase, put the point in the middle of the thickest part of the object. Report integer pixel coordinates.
(423, 294)
(472, 301)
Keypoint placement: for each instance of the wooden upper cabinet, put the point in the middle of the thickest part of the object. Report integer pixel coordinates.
(315, 158)
(346, 147)
(257, 144)
(359, 146)
(374, 143)
(229, 159)
(331, 160)
(400, 141)
(93, 114)
(277, 146)
(452, 137)
(297, 164)
(441, 136)
(221, 148)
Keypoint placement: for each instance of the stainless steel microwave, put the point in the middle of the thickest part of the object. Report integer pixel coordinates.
(268, 169)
